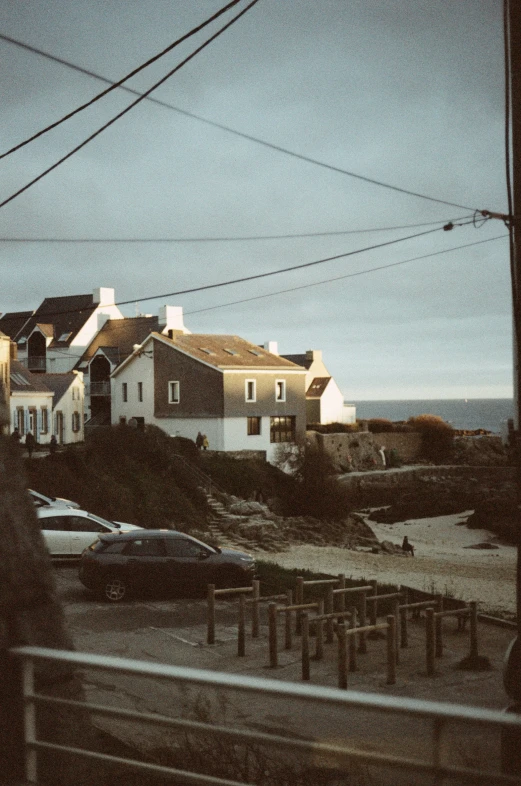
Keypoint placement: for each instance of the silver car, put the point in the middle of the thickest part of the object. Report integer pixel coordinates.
(67, 532)
(42, 501)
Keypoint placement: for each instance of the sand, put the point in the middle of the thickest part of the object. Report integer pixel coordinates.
(441, 562)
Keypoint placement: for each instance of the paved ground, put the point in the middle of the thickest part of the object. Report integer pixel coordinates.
(174, 632)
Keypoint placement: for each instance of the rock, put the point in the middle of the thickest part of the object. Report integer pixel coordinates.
(484, 545)
(249, 508)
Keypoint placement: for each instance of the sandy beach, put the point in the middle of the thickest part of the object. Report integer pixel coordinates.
(442, 562)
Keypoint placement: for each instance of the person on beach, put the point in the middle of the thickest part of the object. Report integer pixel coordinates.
(407, 547)
(199, 441)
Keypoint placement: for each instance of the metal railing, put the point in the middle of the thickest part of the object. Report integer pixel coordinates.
(340, 752)
(34, 363)
(98, 388)
(204, 480)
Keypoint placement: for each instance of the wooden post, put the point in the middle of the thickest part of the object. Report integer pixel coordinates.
(391, 650)
(299, 599)
(241, 638)
(438, 637)
(352, 641)
(210, 636)
(329, 610)
(404, 629)
(272, 627)
(342, 656)
(319, 633)
(362, 640)
(429, 640)
(287, 619)
(305, 646)
(374, 603)
(473, 629)
(341, 597)
(396, 615)
(255, 609)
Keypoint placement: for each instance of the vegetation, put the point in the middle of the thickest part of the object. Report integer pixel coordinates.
(334, 428)
(437, 436)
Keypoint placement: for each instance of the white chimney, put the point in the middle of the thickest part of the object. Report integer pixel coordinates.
(272, 346)
(103, 296)
(171, 318)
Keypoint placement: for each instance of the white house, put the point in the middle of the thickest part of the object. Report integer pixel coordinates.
(30, 403)
(68, 405)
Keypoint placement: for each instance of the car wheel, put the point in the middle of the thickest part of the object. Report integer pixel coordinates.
(114, 589)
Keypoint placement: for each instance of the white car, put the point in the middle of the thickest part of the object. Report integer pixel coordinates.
(41, 501)
(67, 532)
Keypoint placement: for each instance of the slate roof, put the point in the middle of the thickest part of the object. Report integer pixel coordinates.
(66, 314)
(227, 351)
(317, 387)
(58, 383)
(12, 322)
(118, 336)
(300, 360)
(33, 382)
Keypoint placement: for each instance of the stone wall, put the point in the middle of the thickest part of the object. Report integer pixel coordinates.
(359, 450)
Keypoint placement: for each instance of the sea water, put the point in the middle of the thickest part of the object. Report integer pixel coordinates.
(471, 414)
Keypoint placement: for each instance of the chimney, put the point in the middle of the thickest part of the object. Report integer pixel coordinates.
(171, 319)
(103, 296)
(272, 346)
(13, 350)
(313, 354)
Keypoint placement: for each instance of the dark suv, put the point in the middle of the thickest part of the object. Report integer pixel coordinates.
(121, 563)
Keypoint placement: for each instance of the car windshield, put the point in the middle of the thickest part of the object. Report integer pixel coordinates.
(205, 545)
(100, 520)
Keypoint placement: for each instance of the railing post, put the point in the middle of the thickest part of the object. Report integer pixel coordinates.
(342, 597)
(319, 632)
(305, 646)
(210, 635)
(396, 615)
(374, 603)
(299, 599)
(272, 624)
(404, 631)
(352, 640)
(473, 629)
(342, 655)
(362, 639)
(429, 640)
(287, 615)
(330, 599)
(241, 639)
(255, 610)
(438, 629)
(391, 650)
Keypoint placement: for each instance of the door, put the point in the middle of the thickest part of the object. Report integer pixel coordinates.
(83, 531)
(146, 564)
(60, 429)
(188, 563)
(55, 530)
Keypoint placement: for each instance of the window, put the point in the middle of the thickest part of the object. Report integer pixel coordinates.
(76, 421)
(280, 390)
(250, 390)
(140, 391)
(20, 420)
(254, 426)
(124, 391)
(147, 547)
(282, 429)
(180, 547)
(32, 421)
(173, 392)
(56, 523)
(80, 524)
(45, 421)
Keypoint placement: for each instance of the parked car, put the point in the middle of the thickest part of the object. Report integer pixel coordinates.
(121, 564)
(67, 532)
(41, 501)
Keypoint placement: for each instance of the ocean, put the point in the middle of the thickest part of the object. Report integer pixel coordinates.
(471, 414)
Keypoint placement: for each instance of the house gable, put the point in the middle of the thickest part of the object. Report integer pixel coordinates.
(200, 386)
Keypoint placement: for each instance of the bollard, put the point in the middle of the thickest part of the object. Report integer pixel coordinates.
(299, 598)
(342, 597)
(362, 642)
(352, 641)
(404, 631)
(305, 646)
(473, 629)
(329, 604)
(241, 638)
(342, 656)
(391, 650)
(210, 636)
(287, 635)
(429, 640)
(255, 610)
(319, 633)
(272, 626)
(374, 604)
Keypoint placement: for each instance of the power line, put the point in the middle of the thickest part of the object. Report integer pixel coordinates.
(340, 278)
(131, 106)
(124, 79)
(222, 239)
(229, 129)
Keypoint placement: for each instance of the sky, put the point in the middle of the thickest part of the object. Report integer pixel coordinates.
(406, 92)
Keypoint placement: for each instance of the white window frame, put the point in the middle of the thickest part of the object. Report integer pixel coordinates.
(253, 383)
(282, 383)
(174, 385)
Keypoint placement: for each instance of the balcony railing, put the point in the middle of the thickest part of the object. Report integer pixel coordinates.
(35, 363)
(340, 730)
(98, 388)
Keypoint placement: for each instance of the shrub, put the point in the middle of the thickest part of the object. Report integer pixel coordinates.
(380, 425)
(437, 436)
(333, 428)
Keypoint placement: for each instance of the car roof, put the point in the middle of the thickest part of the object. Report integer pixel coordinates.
(51, 511)
(139, 534)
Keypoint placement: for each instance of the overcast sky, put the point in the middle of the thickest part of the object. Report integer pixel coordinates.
(409, 92)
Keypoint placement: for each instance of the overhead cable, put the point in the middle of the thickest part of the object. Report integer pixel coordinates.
(230, 130)
(115, 85)
(131, 106)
